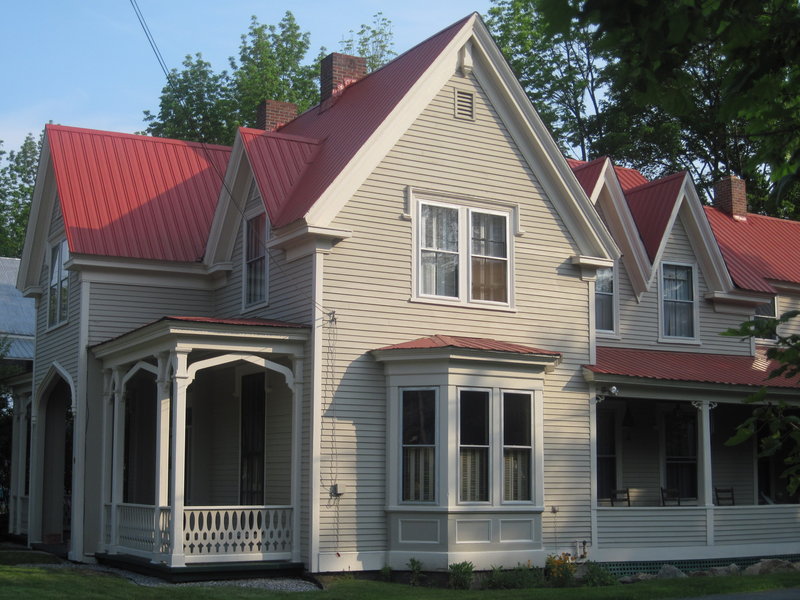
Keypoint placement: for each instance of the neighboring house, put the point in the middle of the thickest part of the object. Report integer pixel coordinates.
(17, 330)
(398, 325)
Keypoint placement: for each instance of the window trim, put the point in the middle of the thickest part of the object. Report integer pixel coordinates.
(774, 316)
(614, 332)
(674, 339)
(59, 248)
(248, 217)
(532, 447)
(436, 444)
(465, 208)
(490, 447)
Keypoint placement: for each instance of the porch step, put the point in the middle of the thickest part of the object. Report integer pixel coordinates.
(205, 571)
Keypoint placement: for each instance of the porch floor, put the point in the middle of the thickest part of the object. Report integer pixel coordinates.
(206, 571)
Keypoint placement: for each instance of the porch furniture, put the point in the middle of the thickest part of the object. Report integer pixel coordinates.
(670, 496)
(620, 496)
(724, 496)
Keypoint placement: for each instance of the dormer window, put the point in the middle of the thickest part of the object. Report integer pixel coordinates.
(255, 261)
(678, 302)
(58, 293)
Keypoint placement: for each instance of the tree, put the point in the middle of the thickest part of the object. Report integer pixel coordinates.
(756, 51)
(374, 42)
(195, 105)
(775, 423)
(270, 66)
(559, 68)
(17, 179)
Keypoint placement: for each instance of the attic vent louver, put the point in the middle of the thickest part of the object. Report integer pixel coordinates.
(465, 105)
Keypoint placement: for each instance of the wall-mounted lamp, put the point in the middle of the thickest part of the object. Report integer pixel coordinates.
(607, 391)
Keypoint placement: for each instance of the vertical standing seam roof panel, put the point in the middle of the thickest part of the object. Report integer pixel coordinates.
(345, 122)
(629, 178)
(651, 206)
(587, 173)
(136, 196)
(757, 248)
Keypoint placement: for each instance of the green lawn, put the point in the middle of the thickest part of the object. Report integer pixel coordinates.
(32, 582)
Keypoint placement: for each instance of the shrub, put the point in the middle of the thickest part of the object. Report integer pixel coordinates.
(520, 577)
(417, 576)
(597, 575)
(560, 570)
(386, 573)
(460, 575)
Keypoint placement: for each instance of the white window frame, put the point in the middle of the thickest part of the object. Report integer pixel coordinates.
(662, 337)
(774, 315)
(491, 451)
(464, 294)
(58, 256)
(248, 217)
(531, 447)
(614, 332)
(437, 447)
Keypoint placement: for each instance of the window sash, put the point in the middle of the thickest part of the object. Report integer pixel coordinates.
(58, 293)
(764, 314)
(474, 443)
(678, 302)
(604, 300)
(418, 441)
(256, 261)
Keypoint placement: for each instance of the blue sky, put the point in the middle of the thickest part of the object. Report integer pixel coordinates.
(87, 63)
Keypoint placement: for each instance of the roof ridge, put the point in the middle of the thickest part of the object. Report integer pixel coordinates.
(756, 215)
(584, 163)
(148, 138)
(282, 136)
(655, 182)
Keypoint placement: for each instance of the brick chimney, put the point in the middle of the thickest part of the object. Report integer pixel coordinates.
(337, 71)
(272, 114)
(730, 196)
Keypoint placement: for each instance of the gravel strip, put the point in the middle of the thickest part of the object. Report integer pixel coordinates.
(264, 583)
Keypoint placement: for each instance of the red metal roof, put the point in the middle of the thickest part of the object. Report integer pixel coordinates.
(278, 161)
(587, 172)
(135, 196)
(690, 366)
(651, 205)
(347, 121)
(467, 343)
(629, 178)
(757, 249)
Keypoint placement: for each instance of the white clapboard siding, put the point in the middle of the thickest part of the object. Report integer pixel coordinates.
(769, 524)
(787, 302)
(638, 321)
(733, 466)
(368, 284)
(651, 527)
(117, 308)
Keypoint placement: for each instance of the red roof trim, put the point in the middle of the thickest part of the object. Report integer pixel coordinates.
(690, 367)
(468, 343)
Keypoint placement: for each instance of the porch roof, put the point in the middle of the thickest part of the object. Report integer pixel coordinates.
(690, 366)
(468, 343)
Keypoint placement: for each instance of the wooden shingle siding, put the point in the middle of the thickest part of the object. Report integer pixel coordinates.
(638, 321)
(118, 308)
(368, 284)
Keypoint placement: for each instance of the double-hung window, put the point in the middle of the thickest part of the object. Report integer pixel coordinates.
(517, 448)
(255, 261)
(766, 313)
(680, 452)
(678, 301)
(604, 300)
(463, 254)
(419, 445)
(474, 447)
(58, 293)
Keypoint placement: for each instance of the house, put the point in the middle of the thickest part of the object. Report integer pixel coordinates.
(397, 325)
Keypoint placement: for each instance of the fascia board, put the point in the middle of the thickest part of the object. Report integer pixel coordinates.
(385, 136)
(105, 269)
(45, 193)
(634, 254)
(221, 238)
(546, 362)
(539, 149)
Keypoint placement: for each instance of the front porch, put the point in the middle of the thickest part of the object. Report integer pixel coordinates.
(201, 444)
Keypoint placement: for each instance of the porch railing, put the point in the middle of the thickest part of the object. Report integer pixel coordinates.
(221, 532)
(766, 524)
(237, 530)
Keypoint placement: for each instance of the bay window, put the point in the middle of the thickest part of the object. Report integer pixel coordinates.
(463, 254)
(678, 302)
(474, 446)
(419, 445)
(58, 293)
(517, 447)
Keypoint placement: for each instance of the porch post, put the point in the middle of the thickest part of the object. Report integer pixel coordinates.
(162, 446)
(297, 419)
(118, 455)
(180, 382)
(13, 491)
(704, 495)
(106, 457)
